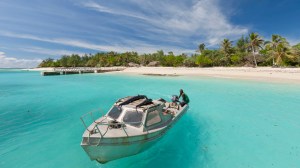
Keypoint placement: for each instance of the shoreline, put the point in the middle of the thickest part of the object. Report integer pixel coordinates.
(38, 69)
(266, 74)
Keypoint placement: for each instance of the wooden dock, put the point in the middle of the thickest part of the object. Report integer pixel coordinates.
(80, 70)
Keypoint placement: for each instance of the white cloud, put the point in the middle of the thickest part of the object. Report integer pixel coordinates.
(11, 62)
(133, 25)
(130, 45)
(199, 18)
(100, 8)
(51, 52)
(293, 41)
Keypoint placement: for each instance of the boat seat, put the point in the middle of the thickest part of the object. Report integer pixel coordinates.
(171, 105)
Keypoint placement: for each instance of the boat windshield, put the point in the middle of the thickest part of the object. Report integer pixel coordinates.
(153, 118)
(114, 112)
(133, 117)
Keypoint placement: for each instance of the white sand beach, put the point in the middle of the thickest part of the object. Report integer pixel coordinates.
(285, 75)
(39, 69)
(282, 75)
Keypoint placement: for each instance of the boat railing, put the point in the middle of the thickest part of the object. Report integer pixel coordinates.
(92, 115)
(110, 125)
(93, 119)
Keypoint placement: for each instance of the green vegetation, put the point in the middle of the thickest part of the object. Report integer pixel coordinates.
(247, 51)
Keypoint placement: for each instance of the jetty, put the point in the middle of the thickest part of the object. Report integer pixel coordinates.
(80, 70)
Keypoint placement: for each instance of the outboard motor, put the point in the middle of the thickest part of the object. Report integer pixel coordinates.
(175, 98)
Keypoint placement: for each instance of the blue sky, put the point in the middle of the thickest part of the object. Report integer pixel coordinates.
(33, 30)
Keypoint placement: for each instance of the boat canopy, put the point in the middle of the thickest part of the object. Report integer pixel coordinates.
(133, 110)
(139, 101)
(132, 99)
(133, 117)
(115, 112)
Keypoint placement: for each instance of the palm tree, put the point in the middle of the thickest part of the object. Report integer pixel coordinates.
(277, 44)
(282, 51)
(201, 47)
(241, 44)
(226, 48)
(255, 43)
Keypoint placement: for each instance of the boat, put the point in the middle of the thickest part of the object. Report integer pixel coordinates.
(132, 125)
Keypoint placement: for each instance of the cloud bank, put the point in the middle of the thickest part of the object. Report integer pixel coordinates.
(11, 62)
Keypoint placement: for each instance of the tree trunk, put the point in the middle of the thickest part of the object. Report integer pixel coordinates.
(253, 53)
(279, 60)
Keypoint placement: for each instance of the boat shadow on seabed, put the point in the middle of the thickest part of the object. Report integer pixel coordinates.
(186, 145)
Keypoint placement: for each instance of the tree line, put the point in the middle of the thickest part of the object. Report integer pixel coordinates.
(251, 50)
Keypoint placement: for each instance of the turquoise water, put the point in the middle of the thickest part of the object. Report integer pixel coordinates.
(230, 123)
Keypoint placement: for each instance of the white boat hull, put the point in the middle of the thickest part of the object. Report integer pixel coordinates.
(106, 153)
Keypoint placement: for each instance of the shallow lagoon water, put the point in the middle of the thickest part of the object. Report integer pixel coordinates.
(231, 123)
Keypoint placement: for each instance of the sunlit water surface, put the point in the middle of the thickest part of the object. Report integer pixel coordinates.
(230, 123)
